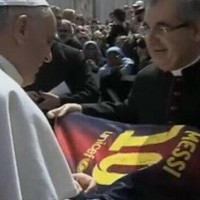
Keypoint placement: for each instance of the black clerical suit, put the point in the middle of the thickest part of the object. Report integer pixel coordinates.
(69, 66)
(150, 101)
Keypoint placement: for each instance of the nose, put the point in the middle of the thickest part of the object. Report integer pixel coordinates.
(152, 39)
(48, 58)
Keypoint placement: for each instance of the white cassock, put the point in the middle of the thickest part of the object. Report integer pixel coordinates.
(32, 166)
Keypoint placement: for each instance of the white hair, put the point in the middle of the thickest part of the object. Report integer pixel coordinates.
(9, 13)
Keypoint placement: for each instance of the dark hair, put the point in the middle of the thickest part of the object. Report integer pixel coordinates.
(119, 14)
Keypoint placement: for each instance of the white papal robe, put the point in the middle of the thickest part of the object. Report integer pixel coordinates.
(32, 166)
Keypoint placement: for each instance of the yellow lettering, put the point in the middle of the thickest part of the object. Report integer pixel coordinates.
(127, 139)
(178, 153)
(91, 156)
(192, 136)
(172, 171)
(91, 152)
(171, 162)
(105, 135)
(102, 174)
(188, 145)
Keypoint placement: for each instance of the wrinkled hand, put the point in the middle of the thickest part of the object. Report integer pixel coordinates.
(87, 182)
(79, 188)
(65, 109)
(50, 101)
(34, 96)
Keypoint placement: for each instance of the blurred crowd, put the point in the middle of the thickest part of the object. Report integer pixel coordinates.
(112, 53)
(95, 38)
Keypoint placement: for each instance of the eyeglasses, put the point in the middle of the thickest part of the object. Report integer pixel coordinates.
(161, 30)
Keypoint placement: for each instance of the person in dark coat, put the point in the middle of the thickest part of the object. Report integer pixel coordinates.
(119, 27)
(68, 66)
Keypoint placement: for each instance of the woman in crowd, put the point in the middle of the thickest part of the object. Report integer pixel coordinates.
(112, 85)
(93, 55)
(117, 62)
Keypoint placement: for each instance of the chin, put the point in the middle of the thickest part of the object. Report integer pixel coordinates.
(164, 66)
(30, 81)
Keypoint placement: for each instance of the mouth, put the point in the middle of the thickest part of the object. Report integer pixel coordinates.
(160, 50)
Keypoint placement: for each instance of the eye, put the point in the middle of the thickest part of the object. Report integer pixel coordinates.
(163, 28)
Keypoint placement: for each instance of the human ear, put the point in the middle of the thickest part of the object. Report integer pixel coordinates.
(20, 28)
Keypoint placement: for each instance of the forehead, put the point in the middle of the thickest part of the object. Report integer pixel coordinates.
(161, 11)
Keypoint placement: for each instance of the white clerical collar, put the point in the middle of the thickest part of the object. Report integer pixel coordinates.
(178, 72)
(9, 69)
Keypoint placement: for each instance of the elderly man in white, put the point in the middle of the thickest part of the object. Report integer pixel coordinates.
(32, 164)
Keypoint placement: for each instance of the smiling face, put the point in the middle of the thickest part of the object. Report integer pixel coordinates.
(176, 48)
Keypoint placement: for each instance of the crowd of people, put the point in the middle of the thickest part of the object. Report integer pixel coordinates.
(92, 58)
(140, 67)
